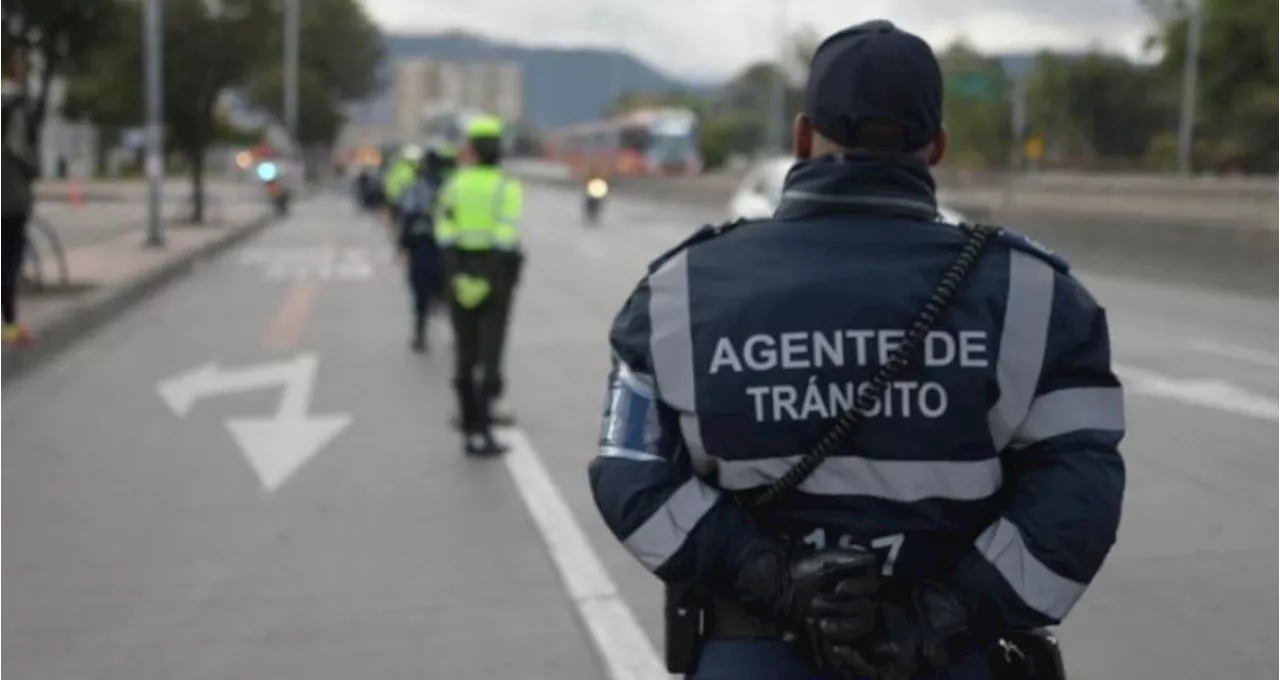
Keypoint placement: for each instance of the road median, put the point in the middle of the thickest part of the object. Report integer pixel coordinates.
(1228, 243)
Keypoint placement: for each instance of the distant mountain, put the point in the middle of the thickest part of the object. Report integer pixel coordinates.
(561, 85)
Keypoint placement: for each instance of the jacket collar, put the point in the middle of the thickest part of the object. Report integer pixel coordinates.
(898, 186)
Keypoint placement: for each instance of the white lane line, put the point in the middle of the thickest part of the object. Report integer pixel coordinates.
(618, 638)
(1213, 394)
(1237, 352)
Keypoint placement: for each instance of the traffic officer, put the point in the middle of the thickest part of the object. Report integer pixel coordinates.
(476, 230)
(985, 481)
(418, 243)
(399, 177)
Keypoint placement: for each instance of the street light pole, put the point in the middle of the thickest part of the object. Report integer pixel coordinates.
(1190, 74)
(154, 78)
(775, 137)
(292, 10)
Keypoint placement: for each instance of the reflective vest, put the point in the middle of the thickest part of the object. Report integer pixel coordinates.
(478, 209)
(398, 178)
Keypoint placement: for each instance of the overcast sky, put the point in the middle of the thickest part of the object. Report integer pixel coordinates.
(714, 38)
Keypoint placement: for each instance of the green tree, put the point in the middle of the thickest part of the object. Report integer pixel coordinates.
(96, 89)
(732, 133)
(1237, 100)
(48, 37)
(320, 117)
(206, 52)
(976, 107)
(339, 44)
(207, 48)
(1047, 85)
(1098, 110)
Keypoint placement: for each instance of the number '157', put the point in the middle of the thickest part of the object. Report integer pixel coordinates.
(891, 545)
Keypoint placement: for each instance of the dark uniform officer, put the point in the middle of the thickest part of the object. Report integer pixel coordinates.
(986, 481)
(418, 242)
(476, 228)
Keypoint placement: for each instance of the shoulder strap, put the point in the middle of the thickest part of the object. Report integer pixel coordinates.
(840, 433)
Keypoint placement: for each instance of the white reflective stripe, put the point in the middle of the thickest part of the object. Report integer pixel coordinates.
(471, 239)
(630, 454)
(1022, 343)
(671, 340)
(499, 199)
(662, 535)
(896, 480)
(1071, 410)
(691, 434)
(640, 383)
(1038, 586)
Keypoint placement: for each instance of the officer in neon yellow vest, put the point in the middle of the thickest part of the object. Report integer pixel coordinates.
(400, 176)
(476, 229)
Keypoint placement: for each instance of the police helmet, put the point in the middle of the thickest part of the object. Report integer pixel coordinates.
(412, 153)
(485, 126)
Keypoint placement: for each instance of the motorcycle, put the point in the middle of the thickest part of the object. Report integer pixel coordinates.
(596, 190)
(277, 192)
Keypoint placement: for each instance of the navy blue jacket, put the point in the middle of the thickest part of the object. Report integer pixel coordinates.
(990, 465)
(417, 219)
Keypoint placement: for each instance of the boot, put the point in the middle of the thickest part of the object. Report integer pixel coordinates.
(481, 442)
(419, 342)
(494, 388)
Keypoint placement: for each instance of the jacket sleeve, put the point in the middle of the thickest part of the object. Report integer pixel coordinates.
(511, 205)
(679, 527)
(1064, 477)
(446, 231)
(409, 211)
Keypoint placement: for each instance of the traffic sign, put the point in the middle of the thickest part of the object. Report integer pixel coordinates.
(1033, 148)
(978, 85)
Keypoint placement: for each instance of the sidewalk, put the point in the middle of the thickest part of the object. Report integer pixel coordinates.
(115, 190)
(107, 275)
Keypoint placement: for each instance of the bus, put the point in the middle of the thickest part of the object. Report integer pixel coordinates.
(643, 143)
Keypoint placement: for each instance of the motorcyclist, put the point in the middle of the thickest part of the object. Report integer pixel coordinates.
(593, 195)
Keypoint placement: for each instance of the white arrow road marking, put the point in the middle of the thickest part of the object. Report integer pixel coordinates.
(276, 446)
(1213, 394)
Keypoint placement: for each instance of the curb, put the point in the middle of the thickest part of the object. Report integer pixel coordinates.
(101, 306)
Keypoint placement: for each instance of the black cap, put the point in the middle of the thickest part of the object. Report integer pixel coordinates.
(875, 73)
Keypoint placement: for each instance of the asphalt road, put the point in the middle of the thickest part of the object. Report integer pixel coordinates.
(144, 543)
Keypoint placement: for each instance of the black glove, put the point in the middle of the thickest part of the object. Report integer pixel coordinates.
(927, 630)
(829, 598)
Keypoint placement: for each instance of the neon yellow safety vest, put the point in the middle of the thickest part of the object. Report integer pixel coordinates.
(398, 178)
(478, 211)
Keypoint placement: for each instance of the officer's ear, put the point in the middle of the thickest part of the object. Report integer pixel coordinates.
(802, 137)
(939, 148)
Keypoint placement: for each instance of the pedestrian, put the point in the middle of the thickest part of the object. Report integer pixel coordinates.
(476, 228)
(853, 440)
(18, 174)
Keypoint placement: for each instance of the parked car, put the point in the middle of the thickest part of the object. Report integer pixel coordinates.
(761, 190)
